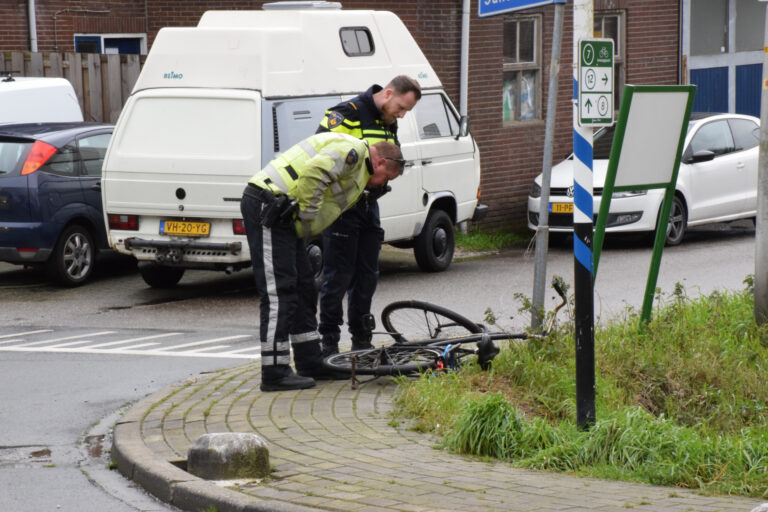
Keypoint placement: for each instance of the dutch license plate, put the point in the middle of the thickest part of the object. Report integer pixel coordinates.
(561, 207)
(184, 228)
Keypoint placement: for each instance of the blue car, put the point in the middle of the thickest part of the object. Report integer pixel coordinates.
(50, 197)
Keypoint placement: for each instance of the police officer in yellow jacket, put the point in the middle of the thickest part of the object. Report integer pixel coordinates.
(295, 196)
(351, 245)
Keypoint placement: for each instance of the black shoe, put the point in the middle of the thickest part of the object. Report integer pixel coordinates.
(288, 382)
(320, 372)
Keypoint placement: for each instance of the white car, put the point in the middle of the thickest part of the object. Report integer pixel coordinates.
(717, 181)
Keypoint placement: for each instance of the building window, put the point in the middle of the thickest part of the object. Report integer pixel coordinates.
(111, 43)
(610, 25)
(522, 69)
(750, 20)
(709, 27)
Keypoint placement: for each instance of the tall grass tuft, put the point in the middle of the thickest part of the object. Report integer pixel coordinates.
(681, 402)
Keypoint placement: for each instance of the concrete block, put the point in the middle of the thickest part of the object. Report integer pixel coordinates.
(228, 456)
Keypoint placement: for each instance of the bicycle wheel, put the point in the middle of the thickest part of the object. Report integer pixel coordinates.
(414, 321)
(391, 360)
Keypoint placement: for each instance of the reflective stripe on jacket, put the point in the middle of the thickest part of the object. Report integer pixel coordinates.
(326, 174)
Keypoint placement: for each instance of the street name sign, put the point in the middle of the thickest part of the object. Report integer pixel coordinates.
(494, 7)
(595, 82)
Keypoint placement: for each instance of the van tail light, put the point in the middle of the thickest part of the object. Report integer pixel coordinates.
(124, 222)
(40, 153)
(238, 226)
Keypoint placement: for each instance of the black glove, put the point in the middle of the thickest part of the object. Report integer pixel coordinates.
(281, 210)
(375, 193)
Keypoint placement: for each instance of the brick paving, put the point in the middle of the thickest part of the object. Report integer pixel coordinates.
(335, 448)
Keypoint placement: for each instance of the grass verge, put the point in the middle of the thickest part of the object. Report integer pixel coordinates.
(489, 241)
(684, 402)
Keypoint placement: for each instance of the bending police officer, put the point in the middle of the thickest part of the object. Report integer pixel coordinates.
(352, 244)
(295, 196)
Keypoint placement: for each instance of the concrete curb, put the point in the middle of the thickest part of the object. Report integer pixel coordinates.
(169, 483)
(335, 448)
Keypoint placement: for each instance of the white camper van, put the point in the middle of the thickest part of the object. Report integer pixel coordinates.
(37, 100)
(216, 102)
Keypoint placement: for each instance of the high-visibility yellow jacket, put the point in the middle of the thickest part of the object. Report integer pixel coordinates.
(326, 174)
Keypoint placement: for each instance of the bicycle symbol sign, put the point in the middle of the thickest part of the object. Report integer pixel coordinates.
(595, 102)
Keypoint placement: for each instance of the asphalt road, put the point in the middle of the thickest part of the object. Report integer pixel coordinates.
(116, 340)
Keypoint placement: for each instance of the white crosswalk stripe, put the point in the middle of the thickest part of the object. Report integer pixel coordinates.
(131, 342)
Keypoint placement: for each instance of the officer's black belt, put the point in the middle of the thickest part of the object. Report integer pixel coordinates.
(259, 193)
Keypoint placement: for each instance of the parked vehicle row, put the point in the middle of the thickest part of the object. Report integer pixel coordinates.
(717, 182)
(50, 197)
(187, 141)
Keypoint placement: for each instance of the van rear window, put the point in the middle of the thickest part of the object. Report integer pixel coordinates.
(356, 41)
(192, 127)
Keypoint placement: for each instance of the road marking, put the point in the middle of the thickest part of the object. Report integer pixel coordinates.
(67, 338)
(134, 347)
(204, 342)
(129, 342)
(24, 333)
(70, 344)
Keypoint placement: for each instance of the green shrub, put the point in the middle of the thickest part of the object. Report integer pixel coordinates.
(681, 402)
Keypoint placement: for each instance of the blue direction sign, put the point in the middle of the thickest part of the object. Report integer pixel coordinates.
(493, 7)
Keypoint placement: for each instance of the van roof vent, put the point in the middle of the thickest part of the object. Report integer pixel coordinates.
(319, 4)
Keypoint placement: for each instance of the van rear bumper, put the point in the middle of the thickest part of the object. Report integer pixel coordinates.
(481, 210)
(173, 251)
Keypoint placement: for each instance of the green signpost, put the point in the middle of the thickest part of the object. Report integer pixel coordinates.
(596, 82)
(647, 147)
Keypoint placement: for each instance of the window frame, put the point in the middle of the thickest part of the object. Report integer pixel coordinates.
(450, 117)
(619, 49)
(102, 39)
(357, 30)
(520, 68)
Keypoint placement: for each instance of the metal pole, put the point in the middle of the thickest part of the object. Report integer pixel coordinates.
(464, 60)
(542, 230)
(584, 335)
(761, 220)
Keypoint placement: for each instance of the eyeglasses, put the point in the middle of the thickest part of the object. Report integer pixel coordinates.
(399, 161)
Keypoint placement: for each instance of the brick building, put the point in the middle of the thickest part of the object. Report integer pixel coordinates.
(508, 63)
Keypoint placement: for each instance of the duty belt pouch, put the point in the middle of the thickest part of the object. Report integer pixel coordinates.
(271, 211)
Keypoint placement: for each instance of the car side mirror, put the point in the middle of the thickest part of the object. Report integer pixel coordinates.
(700, 156)
(463, 127)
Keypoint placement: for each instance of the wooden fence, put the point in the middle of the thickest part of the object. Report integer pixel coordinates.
(102, 82)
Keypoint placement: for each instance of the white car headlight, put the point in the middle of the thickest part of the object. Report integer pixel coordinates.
(629, 193)
(535, 190)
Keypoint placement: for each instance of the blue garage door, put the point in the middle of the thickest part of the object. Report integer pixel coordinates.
(711, 89)
(748, 80)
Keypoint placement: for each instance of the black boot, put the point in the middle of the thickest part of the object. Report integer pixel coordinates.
(309, 362)
(330, 344)
(361, 342)
(282, 378)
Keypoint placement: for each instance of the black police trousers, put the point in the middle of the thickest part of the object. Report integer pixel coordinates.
(286, 289)
(351, 247)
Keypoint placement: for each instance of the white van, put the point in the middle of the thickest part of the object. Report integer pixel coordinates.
(37, 100)
(215, 103)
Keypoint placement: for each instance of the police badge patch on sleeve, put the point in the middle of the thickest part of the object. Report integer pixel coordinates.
(335, 119)
(352, 157)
